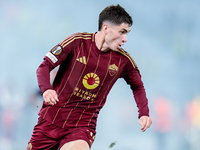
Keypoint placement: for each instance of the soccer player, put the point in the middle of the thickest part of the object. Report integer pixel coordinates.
(90, 64)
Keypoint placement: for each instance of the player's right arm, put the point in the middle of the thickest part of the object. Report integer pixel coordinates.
(43, 76)
(52, 59)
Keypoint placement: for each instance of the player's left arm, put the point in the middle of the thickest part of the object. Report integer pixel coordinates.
(133, 78)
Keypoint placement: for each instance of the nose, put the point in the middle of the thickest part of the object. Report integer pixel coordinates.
(124, 38)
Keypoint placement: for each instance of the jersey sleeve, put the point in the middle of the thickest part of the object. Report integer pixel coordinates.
(132, 76)
(52, 59)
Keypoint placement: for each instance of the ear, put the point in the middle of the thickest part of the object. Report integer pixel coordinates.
(105, 28)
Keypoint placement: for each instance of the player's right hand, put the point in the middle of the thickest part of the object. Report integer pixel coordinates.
(50, 97)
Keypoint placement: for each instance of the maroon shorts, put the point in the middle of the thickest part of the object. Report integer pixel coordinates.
(51, 137)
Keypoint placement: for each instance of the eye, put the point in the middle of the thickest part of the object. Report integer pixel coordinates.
(123, 32)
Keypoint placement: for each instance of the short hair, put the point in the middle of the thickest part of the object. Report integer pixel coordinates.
(114, 14)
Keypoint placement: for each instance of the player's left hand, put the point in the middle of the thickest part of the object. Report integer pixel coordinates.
(145, 122)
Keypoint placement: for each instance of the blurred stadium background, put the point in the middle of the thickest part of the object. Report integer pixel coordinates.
(164, 42)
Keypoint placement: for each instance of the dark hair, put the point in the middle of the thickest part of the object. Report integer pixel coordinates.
(114, 14)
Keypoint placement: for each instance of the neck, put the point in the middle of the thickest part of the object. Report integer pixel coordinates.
(100, 41)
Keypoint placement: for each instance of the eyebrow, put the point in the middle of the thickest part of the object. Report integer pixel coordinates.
(125, 30)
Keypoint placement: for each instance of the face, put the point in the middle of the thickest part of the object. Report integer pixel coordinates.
(116, 35)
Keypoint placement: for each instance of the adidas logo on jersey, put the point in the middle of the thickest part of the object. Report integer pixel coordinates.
(82, 59)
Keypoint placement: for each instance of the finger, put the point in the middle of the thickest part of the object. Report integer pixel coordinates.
(148, 124)
(55, 96)
(143, 124)
(144, 128)
(48, 99)
(53, 101)
(49, 102)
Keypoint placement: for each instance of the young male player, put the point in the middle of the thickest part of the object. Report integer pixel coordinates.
(90, 63)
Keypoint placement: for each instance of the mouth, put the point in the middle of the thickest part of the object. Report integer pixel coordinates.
(119, 46)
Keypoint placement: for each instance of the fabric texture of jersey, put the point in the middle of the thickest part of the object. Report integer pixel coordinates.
(84, 79)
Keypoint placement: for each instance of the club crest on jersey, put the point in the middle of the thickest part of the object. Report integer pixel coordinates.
(91, 81)
(57, 50)
(112, 69)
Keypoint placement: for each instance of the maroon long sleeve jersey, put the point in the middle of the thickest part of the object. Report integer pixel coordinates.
(84, 79)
